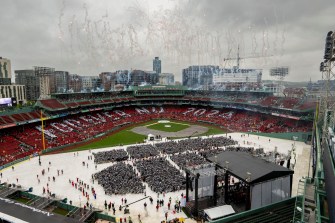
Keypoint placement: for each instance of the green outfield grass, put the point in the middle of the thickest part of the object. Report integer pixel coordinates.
(174, 126)
(126, 136)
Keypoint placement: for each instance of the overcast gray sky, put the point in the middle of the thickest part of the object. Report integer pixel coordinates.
(89, 37)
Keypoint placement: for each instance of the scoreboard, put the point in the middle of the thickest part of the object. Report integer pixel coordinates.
(279, 71)
(8, 102)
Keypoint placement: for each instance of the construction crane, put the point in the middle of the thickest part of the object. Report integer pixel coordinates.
(238, 58)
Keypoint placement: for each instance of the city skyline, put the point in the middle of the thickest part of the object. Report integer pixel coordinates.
(88, 38)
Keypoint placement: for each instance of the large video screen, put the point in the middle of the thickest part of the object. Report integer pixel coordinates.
(5, 102)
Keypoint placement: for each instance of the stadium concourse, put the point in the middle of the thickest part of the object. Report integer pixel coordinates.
(62, 170)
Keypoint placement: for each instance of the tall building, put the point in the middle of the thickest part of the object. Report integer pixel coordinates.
(166, 79)
(75, 83)
(7, 90)
(140, 77)
(135, 77)
(52, 83)
(14, 91)
(47, 80)
(123, 77)
(108, 80)
(39, 82)
(5, 71)
(61, 81)
(126, 78)
(157, 65)
(199, 76)
(91, 83)
(31, 82)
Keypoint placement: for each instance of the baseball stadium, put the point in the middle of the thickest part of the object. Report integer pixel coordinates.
(161, 153)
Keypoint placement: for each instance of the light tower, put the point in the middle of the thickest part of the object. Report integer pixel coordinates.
(325, 120)
(326, 115)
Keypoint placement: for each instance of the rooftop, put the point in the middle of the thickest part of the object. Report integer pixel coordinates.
(243, 165)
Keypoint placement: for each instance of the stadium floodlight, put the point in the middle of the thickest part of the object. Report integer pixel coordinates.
(322, 66)
(329, 52)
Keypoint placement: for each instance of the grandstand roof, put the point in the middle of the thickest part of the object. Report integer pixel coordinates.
(240, 164)
(52, 104)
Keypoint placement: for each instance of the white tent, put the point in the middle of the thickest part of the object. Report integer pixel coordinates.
(151, 137)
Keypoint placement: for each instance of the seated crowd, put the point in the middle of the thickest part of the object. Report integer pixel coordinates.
(156, 170)
(193, 144)
(160, 175)
(142, 151)
(119, 178)
(110, 156)
(187, 159)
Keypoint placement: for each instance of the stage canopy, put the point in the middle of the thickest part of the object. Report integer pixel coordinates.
(249, 168)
